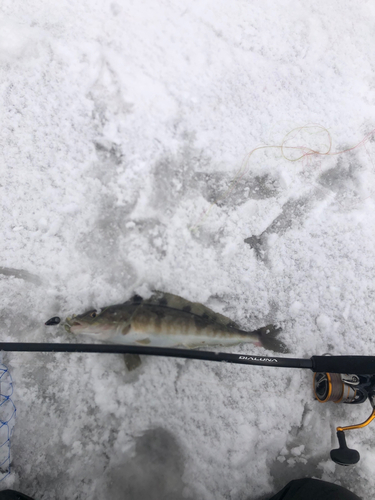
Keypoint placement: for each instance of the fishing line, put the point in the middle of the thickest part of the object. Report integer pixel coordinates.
(304, 152)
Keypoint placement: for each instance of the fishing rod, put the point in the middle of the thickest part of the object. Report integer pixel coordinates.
(340, 379)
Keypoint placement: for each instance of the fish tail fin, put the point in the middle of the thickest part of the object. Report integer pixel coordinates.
(267, 336)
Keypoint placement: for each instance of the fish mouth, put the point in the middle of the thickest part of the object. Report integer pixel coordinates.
(71, 323)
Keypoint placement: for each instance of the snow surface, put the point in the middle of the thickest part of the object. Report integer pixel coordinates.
(121, 122)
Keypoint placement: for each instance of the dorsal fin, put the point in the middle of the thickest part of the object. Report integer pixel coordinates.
(176, 302)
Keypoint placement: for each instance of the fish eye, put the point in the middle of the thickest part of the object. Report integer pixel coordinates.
(93, 314)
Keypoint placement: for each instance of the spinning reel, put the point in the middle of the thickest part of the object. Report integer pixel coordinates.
(349, 389)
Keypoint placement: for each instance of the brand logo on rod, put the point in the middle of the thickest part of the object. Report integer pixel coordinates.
(256, 358)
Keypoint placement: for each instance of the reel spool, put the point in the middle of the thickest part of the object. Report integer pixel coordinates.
(349, 389)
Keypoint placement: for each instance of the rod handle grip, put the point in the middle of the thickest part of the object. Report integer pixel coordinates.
(344, 364)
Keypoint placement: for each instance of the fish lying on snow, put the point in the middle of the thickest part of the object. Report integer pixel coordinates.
(166, 320)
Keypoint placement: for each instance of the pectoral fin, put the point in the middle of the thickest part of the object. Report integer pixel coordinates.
(143, 342)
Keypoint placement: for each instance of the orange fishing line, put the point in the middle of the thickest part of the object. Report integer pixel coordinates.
(306, 153)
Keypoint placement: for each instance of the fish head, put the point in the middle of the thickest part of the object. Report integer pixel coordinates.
(101, 324)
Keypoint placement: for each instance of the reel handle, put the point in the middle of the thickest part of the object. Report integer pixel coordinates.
(344, 455)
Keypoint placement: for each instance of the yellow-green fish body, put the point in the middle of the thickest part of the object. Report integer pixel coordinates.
(167, 320)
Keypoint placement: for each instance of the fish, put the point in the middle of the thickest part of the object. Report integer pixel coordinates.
(167, 320)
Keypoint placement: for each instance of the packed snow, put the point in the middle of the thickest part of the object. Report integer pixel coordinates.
(124, 126)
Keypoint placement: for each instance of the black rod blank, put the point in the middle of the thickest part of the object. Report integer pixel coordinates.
(331, 364)
(157, 351)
